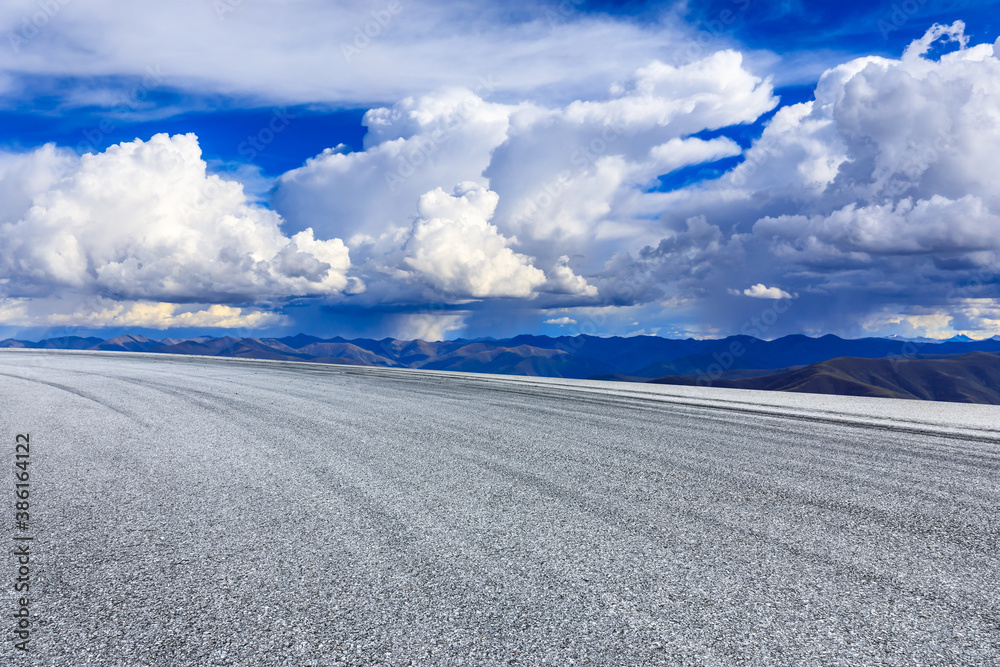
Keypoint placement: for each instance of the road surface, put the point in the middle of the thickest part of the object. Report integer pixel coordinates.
(197, 511)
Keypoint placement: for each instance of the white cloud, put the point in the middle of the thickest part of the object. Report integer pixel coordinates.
(248, 49)
(101, 313)
(417, 145)
(562, 280)
(932, 226)
(14, 312)
(454, 248)
(712, 92)
(24, 176)
(976, 317)
(888, 321)
(890, 129)
(582, 172)
(150, 315)
(953, 33)
(144, 221)
(761, 291)
(561, 321)
(878, 194)
(568, 181)
(678, 153)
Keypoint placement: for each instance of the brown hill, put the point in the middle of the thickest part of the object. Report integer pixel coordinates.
(967, 378)
(346, 352)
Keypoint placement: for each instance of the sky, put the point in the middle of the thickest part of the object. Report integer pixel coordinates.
(435, 170)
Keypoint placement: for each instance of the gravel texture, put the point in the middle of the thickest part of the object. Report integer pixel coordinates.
(196, 511)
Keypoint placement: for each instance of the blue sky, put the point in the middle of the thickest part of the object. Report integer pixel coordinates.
(430, 169)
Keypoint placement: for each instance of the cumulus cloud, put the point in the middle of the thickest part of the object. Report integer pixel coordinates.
(455, 249)
(571, 184)
(143, 221)
(878, 196)
(419, 144)
(561, 321)
(761, 291)
(564, 173)
(584, 171)
(24, 176)
(562, 280)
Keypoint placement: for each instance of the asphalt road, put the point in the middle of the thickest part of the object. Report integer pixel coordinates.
(191, 511)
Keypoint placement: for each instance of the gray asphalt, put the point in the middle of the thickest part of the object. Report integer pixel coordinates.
(193, 511)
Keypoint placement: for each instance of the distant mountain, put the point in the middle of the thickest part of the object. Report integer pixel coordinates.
(64, 343)
(919, 339)
(348, 352)
(484, 357)
(973, 377)
(722, 358)
(740, 359)
(128, 343)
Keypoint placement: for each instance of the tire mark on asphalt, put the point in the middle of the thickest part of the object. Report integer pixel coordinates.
(82, 394)
(654, 534)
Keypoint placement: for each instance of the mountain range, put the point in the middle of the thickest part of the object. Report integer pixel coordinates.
(867, 366)
(973, 377)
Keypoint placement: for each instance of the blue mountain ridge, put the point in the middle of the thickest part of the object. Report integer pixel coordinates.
(634, 357)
